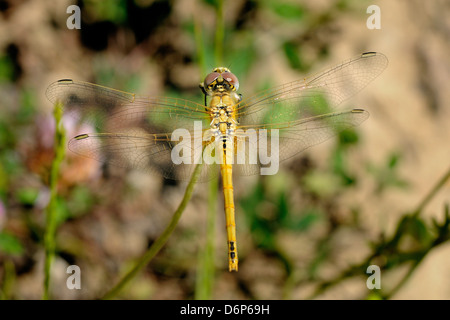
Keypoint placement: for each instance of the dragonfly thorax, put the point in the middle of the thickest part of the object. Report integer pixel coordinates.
(222, 111)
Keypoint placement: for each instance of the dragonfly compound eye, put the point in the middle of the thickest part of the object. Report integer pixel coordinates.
(231, 79)
(220, 75)
(210, 79)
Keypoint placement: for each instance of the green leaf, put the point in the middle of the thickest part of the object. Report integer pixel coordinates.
(112, 10)
(348, 137)
(288, 10)
(214, 3)
(9, 244)
(6, 69)
(339, 162)
(393, 160)
(27, 196)
(291, 52)
(307, 218)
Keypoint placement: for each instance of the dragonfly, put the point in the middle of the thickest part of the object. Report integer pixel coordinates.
(170, 136)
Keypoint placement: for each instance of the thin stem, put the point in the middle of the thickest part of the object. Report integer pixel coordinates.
(199, 46)
(219, 36)
(9, 277)
(432, 193)
(51, 223)
(159, 243)
(404, 279)
(205, 275)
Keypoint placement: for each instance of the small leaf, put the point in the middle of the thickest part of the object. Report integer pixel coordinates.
(393, 160)
(307, 218)
(27, 196)
(348, 136)
(10, 244)
(291, 53)
(113, 10)
(6, 69)
(288, 10)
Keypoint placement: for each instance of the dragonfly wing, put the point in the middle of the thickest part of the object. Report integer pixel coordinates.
(153, 153)
(281, 141)
(303, 134)
(315, 95)
(129, 127)
(111, 110)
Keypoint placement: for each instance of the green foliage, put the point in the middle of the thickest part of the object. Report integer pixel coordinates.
(111, 10)
(9, 244)
(7, 136)
(442, 230)
(3, 180)
(9, 276)
(52, 208)
(286, 10)
(292, 54)
(213, 3)
(386, 175)
(6, 69)
(264, 226)
(413, 239)
(338, 176)
(61, 211)
(27, 196)
(346, 139)
(27, 110)
(79, 203)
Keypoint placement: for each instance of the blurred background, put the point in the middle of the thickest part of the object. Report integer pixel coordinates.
(308, 232)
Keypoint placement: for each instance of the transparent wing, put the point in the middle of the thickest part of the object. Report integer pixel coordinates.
(282, 141)
(130, 127)
(153, 153)
(315, 95)
(111, 110)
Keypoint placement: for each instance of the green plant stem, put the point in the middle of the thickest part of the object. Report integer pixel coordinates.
(205, 275)
(432, 193)
(51, 222)
(219, 36)
(9, 277)
(199, 46)
(404, 279)
(159, 243)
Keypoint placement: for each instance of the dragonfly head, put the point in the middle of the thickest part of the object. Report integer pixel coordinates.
(219, 79)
